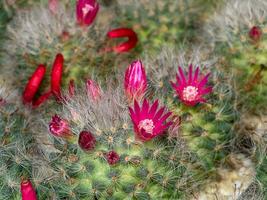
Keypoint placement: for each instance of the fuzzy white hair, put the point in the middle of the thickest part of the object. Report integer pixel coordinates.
(38, 27)
(235, 17)
(31, 28)
(165, 65)
(7, 93)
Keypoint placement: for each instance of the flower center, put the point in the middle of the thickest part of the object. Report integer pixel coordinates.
(147, 125)
(86, 9)
(190, 93)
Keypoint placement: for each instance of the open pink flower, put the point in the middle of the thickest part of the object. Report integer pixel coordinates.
(149, 122)
(27, 190)
(86, 11)
(191, 90)
(59, 127)
(135, 82)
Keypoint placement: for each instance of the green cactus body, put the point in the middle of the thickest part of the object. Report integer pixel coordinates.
(15, 147)
(162, 22)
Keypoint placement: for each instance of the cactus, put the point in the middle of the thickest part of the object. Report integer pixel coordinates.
(163, 22)
(16, 147)
(175, 130)
(102, 153)
(238, 33)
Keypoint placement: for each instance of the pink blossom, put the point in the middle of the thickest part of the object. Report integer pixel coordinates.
(86, 11)
(190, 90)
(135, 81)
(149, 122)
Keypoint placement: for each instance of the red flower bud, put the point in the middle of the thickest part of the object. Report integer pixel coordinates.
(33, 84)
(86, 141)
(255, 33)
(112, 157)
(120, 33)
(56, 76)
(27, 190)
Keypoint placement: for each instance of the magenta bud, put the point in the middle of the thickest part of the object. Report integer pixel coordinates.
(87, 141)
(255, 33)
(86, 11)
(135, 81)
(112, 157)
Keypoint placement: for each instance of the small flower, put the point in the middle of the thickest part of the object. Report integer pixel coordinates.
(120, 33)
(59, 127)
(112, 157)
(93, 90)
(86, 11)
(148, 122)
(255, 33)
(135, 81)
(86, 141)
(27, 190)
(191, 90)
(56, 76)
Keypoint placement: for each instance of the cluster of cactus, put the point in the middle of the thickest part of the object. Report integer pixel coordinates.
(238, 34)
(163, 22)
(172, 128)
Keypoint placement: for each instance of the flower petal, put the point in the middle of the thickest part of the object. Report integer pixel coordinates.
(204, 81)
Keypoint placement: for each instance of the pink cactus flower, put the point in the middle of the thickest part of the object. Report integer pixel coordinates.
(27, 190)
(255, 33)
(86, 11)
(93, 90)
(191, 90)
(59, 127)
(135, 81)
(148, 122)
